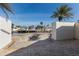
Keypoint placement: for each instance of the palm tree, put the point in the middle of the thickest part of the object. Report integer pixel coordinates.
(41, 23)
(62, 12)
(41, 26)
(6, 8)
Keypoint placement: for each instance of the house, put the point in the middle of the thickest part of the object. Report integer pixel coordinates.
(48, 28)
(16, 28)
(5, 32)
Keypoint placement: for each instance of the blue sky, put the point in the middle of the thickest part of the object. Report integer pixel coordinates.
(34, 13)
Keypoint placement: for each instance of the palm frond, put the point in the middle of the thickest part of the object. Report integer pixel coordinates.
(5, 12)
(62, 12)
(6, 6)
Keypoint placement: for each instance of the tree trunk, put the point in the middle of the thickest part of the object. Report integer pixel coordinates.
(60, 18)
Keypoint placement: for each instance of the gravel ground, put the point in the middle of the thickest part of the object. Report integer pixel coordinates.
(50, 48)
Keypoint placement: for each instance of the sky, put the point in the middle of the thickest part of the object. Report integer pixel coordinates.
(34, 13)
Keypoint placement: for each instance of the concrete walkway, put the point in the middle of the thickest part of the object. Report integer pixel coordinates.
(47, 48)
(21, 41)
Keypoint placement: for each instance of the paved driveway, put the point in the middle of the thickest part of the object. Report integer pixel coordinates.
(50, 48)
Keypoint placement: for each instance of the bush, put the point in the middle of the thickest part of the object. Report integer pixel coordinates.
(34, 37)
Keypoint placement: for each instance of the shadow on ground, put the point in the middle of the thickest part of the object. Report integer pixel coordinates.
(49, 48)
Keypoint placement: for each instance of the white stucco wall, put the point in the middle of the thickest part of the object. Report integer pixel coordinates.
(63, 30)
(77, 30)
(54, 31)
(5, 32)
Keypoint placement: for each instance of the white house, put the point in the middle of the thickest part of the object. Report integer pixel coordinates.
(5, 32)
(49, 28)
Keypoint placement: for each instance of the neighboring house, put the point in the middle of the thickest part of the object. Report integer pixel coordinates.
(18, 28)
(32, 29)
(15, 28)
(43, 28)
(5, 32)
(48, 28)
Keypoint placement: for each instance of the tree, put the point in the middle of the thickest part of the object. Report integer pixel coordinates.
(47, 25)
(6, 8)
(31, 27)
(62, 13)
(41, 23)
(41, 26)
